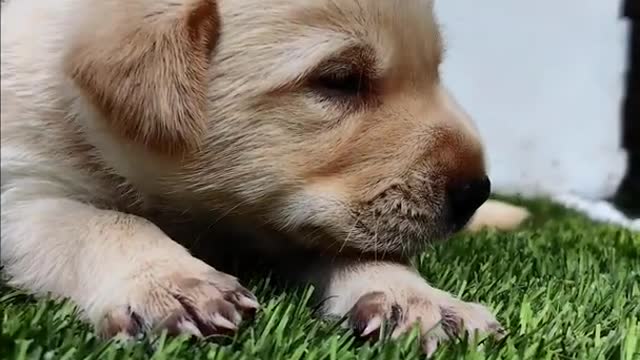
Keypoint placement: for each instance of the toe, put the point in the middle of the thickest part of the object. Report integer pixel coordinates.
(222, 314)
(121, 322)
(430, 345)
(179, 323)
(244, 300)
(368, 314)
(470, 318)
(214, 316)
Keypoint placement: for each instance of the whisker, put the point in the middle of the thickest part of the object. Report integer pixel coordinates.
(355, 224)
(375, 239)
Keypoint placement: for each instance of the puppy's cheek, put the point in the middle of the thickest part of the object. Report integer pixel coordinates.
(313, 205)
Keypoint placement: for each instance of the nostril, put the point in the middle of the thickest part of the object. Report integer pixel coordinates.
(465, 198)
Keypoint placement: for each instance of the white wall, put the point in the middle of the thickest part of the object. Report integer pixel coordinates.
(544, 81)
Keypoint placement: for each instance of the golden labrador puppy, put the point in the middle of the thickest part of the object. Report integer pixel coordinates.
(126, 124)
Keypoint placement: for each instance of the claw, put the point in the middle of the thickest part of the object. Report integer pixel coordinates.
(430, 345)
(185, 326)
(220, 321)
(248, 303)
(374, 324)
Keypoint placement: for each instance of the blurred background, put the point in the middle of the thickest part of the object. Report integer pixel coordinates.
(553, 88)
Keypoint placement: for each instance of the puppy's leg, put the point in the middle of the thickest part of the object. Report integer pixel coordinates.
(498, 215)
(121, 270)
(373, 293)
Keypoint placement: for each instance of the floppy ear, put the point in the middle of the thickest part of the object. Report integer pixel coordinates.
(143, 64)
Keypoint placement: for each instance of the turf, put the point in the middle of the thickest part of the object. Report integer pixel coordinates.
(564, 288)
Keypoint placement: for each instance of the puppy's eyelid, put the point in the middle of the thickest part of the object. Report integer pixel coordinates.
(343, 84)
(339, 78)
(355, 59)
(335, 68)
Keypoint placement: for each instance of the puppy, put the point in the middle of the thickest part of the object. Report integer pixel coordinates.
(127, 124)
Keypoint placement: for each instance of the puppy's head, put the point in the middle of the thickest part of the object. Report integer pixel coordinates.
(326, 119)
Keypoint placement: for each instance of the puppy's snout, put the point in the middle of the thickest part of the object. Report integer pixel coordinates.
(465, 198)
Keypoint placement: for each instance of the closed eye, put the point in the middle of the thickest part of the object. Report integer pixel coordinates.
(348, 79)
(342, 84)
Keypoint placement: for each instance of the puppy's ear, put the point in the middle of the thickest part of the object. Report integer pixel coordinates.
(144, 65)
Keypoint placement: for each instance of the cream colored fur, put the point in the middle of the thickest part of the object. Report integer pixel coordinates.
(115, 112)
(498, 215)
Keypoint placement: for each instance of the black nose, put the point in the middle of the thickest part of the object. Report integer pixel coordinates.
(465, 198)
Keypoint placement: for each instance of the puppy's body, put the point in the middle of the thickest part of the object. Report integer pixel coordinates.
(124, 122)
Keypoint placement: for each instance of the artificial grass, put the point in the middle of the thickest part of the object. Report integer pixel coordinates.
(564, 288)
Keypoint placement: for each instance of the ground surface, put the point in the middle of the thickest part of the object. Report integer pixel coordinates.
(562, 286)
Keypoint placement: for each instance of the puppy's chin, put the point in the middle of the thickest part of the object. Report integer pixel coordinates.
(357, 241)
(335, 227)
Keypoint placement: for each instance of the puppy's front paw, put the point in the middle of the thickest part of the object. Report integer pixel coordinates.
(437, 318)
(200, 302)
